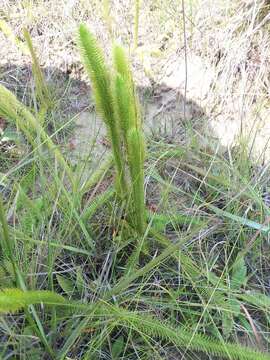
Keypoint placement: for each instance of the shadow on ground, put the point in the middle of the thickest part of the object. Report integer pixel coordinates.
(165, 112)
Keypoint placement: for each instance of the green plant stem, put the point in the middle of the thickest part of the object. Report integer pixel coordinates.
(41, 87)
(119, 162)
(136, 161)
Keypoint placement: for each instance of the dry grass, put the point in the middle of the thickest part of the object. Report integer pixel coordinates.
(227, 48)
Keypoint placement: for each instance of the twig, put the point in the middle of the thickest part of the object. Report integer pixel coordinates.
(185, 51)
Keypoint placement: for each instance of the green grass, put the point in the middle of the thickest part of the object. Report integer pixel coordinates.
(88, 273)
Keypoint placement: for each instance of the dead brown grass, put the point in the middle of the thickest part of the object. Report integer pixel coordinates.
(227, 52)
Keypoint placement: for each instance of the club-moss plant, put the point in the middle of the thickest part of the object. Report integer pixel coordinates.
(118, 105)
(100, 77)
(12, 300)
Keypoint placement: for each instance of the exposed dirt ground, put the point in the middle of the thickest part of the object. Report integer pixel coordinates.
(210, 75)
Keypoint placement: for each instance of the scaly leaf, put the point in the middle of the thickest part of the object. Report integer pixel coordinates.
(12, 300)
